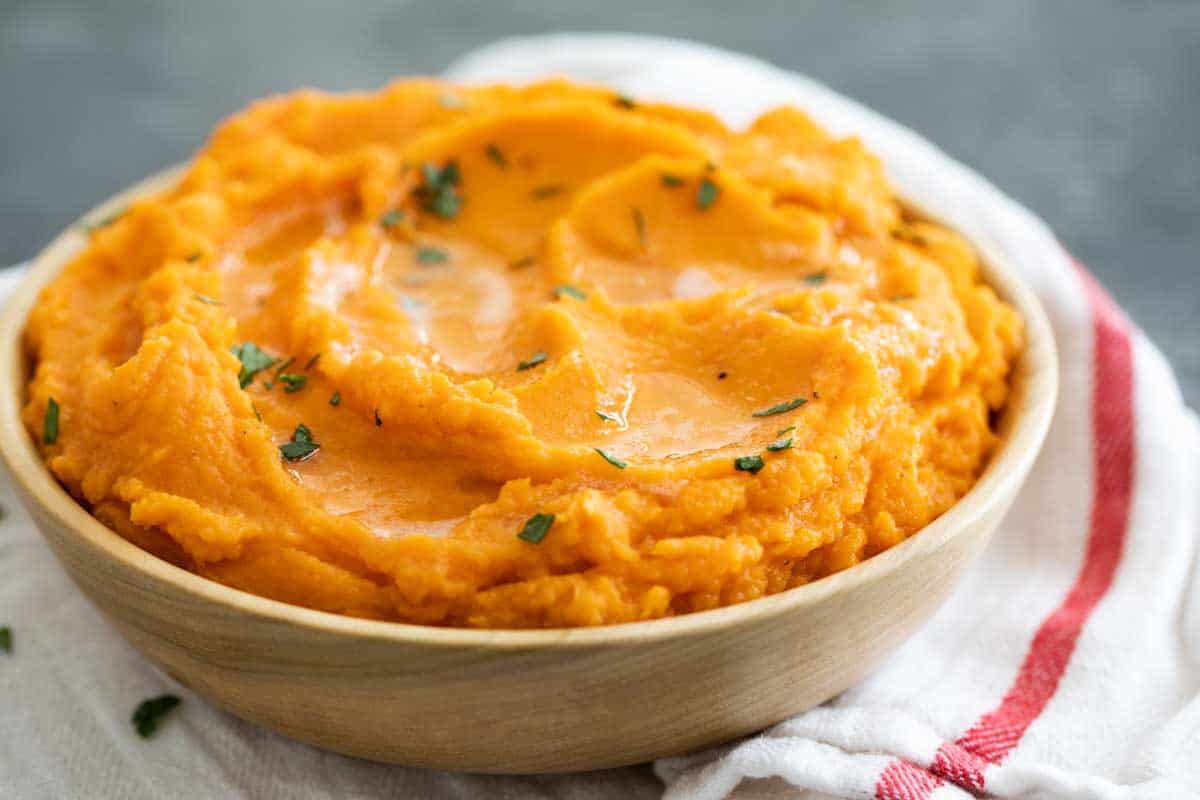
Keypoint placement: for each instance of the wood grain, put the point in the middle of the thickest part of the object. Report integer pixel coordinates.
(521, 701)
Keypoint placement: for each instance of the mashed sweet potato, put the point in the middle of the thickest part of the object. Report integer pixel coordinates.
(504, 357)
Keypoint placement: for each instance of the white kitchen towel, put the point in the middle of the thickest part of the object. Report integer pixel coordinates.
(1066, 664)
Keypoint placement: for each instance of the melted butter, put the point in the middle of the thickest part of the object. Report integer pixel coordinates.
(670, 415)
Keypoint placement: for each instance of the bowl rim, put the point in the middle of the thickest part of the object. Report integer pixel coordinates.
(1036, 376)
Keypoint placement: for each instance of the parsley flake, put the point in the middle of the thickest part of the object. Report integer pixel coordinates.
(193, 257)
(781, 408)
(150, 713)
(624, 101)
(671, 181)
(570, 291)
(610, 458)
(301, 447)
(335, 399)
(639, 224)
(431, 255)
(439, 193)
(497, 156)
(293, 382)
(50, 422)
(817, 278)
(533, 361)
(788, 429)
(751, 464)
(208, 301)
(549, 190)
(780, 444)
(604, 415)
(6, 639)
(536, 528)
(706, 194)
(312, 362)
(253, 360)
(378, 419)
(392, 218)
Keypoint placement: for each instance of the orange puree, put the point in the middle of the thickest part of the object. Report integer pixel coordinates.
(560, 358)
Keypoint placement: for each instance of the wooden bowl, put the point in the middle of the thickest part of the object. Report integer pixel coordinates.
(520, 701)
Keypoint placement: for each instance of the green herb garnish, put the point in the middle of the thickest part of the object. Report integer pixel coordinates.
(532, 361)
(816, 279)
(312, 362)
(536, 528)
(253, 359)
(496, 155)
(150, 713)
(624, 101)
(209, 301)
(286, 363)
(392, 218)
(788, 429)
(549, 190)
(6, 639)
(301, 446)
(378, 419)
(706, 194)
(431, 255)
(639, 224)
(193, 258)
(780, 444)
(671, 181)
(570, 291)
(751, 464)
(335, 399)
(257, 414)
(604, 415)
(293, 382)
(610, 458)
(781, 408)
(439, 193)
(50, 422)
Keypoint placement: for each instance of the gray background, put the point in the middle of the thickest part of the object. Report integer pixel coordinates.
(1089, 112)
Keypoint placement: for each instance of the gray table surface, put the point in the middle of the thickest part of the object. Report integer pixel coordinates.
(1089, 112)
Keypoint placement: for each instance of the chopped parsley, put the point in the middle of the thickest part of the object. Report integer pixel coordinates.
(439, 192)
(253, 360)
(378, 419)
(751, 464)
(570, 291)
(781, 408)
(497, 156)
(6, 639)
(671, 181)
(193, 257)
(533, 361)
(549, 190)
(536, 528)
(392, 218)
(780, 444)
(50, 422)
(788, 429)
(431, 255)
(335, 399)
(604, 415)
(639, 224)
(624, 101)
(257, 414)
(706, 193)
(312, 362)
(286, 363)
(150, 713)
(293, 382)
(301, 447)
(816, 279)
(610, 458)
(208, 301)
